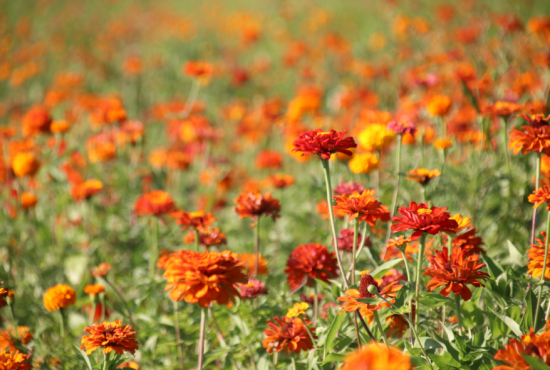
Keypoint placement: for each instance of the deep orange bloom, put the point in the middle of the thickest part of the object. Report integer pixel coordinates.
(249, 260)
(198, 69)
(362, 206)
(204, 277)
(530, 344)
(60, 126)
(86, 189)
(535, 256)
(14, 361)
(254, 204)
(438, 105)
(324, 143)
(423, 175)
(505, 108)
(455, 273)
(288, 335)
(112, 336)
(530, 139)
(377, 357)
(94, 289)
(196, 220)
(102, 269)
(350, 298)
(443, 143)
(25, 164)
(37, 120)
(281, 180)
(469, 242)
(28, 200)
(308, 262)
(539, 196)
(10, 341)
(421, 218)
(536, 120)
(208, 237)
(154, 203)
(58, 297)
(269, 159)
(129, 364)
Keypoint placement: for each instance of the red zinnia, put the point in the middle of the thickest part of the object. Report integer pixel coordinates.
(154, 203)
(420, 217)
(196, 220)
(310, 261)
(289, 335)
(324, 143)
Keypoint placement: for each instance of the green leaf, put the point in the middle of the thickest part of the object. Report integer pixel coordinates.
(333, 331)
(385, 267)
(323, 284)
(445, 361)
(514, 326)
(535, 362)
(85, 356)
(333, 357)
(495, 270)
(434, 300)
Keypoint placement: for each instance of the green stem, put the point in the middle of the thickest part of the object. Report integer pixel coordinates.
(505, 147)
(123, 302)
(537, 183)
(257, 246)
(154, 247)
(191, 99)
(92, 312)
(355, 235)
(406, 265)
(309, 332)
(106, 361)
(362, 244)
(395, 193)
(542, 277)
(458, 315)
(197, 239)
(61, 323)
(315, 304)
(380, 327)
(418, 278)
(326, 168)
(293, 363)
(201, 338)
(178, 338)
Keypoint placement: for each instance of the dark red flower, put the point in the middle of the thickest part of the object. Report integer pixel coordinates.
(324, 143)
(420, 218)
(288, 335)
(310, 261)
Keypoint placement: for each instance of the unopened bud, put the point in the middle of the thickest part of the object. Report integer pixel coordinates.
(373, 289)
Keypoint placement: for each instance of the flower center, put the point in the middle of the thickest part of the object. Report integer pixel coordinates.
(424, 211)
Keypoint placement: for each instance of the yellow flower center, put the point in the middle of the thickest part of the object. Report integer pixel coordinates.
(424, 211)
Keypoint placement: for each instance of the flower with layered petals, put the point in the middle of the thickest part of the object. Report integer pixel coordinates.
(208, 237)
(463, 222)
(469, 242)
(204, 277)
(196, 220)
(421, 218)
(386, 289)
(59, 296)
(377, 357)
(324, 144)
(308, 262)
(298, 309)
(529, 344)
(154, 203)
(362, 206)
(86, 189)
(348, 188)
(101, 270)
(254, 204)
(536, 120)
(539, 196)
(530, 139)
(423, 175)
(504, 108)
(401, 127)
(14, 361)
(535, 255)
(111, 336)
(252, 289)
(288, 335)
(454, 273)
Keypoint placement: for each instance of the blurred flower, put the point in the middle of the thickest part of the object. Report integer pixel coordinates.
(454, 273)
(469, 242)
(422, 175)
(361, 206)
(529, 344)
(208, 237)
(154, 203)
(420, 218)
(94, 289)
(345, 240)
(25, 164)
(10, 341)
(348, 188)
(196, 220)
(60, 126)
(14, 361)
(101, 270)
(269, 159)
(28, 200)
(199, 69)
(535, 254)
(254, 204)
(505, 108)
(539, 196)
(86, 189)
(536, 120)
(288, 335)
(323, 143)
(363, 163)
(375, 137)
(98, 314)
(443, 143)
(111, 336)
(463, 222)
(298, 309)
(281, 181)
(376, 356)
(36, 121)
(204, 277)
(252, 289)
(58, 297)
(438, 105)
(129, 364)
(400, 127)
(248, 260)
(308, 262)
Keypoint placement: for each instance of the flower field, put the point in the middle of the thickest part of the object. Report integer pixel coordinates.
(274, 185)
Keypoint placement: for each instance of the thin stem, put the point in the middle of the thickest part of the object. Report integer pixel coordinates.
(61, 323)
(418, 278)
(154, 247)
(257, 246)
(363, 240)
(315, 304)
(293, 363)
(275, 359)
(395, 193)
(365, 325)
(406, 265)
(197, 239)
(357, 329)
(380, 327)
(537, 183)
(251, 357)
(505, 147)
(355, 234)
(542, 277)
(201, 338)
(326, 168)
(102, 300)
(309, 332)
(191, 98)
(458, 315)
(92, 312)
(106, 361)
(178, 337)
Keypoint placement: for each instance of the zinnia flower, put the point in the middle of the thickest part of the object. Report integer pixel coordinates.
(387, 289)
(400, 127)
(280, 180)
(208, 237)
(420, 218)
(536, 120)
(252, 289)
(204, 277)
(375, 137)
(129, 364)
(298, 309)
(308, 262)
(14, 361)
(363, 163)
(463, 222)
(111, 336)
(196, 220)
(154, 203)
(377, 357)
(288, 335)
(249, 259)
(362, 206)
(530, 139)
(539, 196)
(86, 189)
(254, 204)
(345, 240)
(10, 340)
(102, 269)
(324, 143)
(529, 344)
(535, 256)
(438, 105)
(25, 164)
(348, 188)
(198, 69)
(37, 120)
(28, 200)
(269, 159)
(505, 108)
(443, 143)
(454, 273)
(94, 289)
(422, 175)
(58, 297)
(469, 242)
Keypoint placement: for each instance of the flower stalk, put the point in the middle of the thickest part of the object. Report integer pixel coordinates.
(542, 277)
(418, 277)
(178, 337)
(201, 338)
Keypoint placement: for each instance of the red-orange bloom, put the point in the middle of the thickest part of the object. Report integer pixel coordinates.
(324, 143)
(154, 203)
(198, 69)
(530, 139)
(14, 361)
(86, 189)
(196, 220)
(539, 196)
(112, 336)
(536, 120)
(422, 175)
(10, 341)
(288, 335)
(377, 357)
(308, 262)
(530, 344)
(281, 180)
(535, 254)
(249, 261)
(37, 120)
(102, 269)
(469, 242)
(386, 290)
(269, 159)
(505, 108)
(254, 204)
(204, 277)
(455, 273)
(362, 206)
(420, 218)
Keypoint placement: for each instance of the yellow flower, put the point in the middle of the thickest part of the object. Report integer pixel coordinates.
(376, 136)
(363, 163)
(298, 309)
(463, 222)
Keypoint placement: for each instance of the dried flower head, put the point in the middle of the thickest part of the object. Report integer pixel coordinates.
(111, 336)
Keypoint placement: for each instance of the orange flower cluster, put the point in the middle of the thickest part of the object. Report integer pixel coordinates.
(204, 277)
(111, 336)
(288, 335)
(362, 206)
(308, 262)
(58, 297)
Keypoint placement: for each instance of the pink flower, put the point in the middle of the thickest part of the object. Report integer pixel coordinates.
(402, 127)
(252, 289)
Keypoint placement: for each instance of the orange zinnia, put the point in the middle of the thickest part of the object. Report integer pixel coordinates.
(249, 259)
(112, 336)
(308, 262)
(421, 218)
(198, 69)
(94, 289)
(14, 361)
(204, 277)
(423, 175)
(362, 206)
(281, 181)
(469, 242)
(10, 341)
(535, 256)
(539, 196)
(208, 237)
(438, 105)
(377, 357)
(254, 204)
(454, 273)
(58, 297)
(154, 203)
(37, 120)
(25, 164)
(288, 335)
(530, 139)
(28, 200)
(529, 344)
(196, 220)
(101, 270)
(387, 290)
(86, 189)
